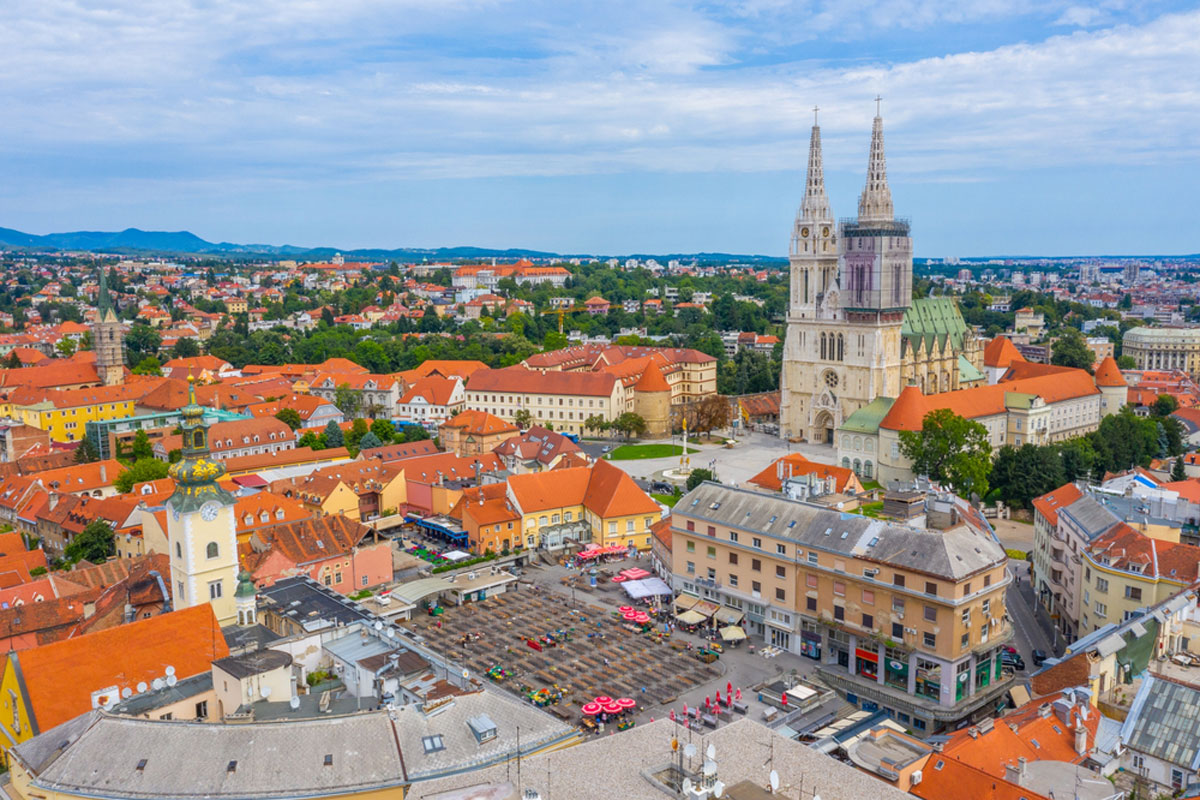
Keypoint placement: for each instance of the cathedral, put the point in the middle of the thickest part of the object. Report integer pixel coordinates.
(854, 331)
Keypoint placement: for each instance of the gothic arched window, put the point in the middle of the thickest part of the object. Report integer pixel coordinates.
(822, 347)
(841, 350)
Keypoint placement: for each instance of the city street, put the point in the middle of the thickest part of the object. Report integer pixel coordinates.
(1028, 634)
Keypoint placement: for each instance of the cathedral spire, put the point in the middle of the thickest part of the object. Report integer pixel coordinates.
(104, 306)
(875, 202)
(815, 207)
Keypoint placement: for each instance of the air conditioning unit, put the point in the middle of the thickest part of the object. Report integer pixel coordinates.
(912, 631)
(995, 622)
(915, 777)
(967, 624)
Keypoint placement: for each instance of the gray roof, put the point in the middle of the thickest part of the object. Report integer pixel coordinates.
(310, 604)
(1163, 723)
(195, 759)
(1089, 516)
(146, 702)
(255, 663)
(954, 553)
(357, 645)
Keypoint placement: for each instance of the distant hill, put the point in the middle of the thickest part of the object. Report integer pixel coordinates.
(134, 240)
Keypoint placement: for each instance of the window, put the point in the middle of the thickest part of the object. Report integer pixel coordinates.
(868, 597)
(712, 531)
(1176, 778)
(1101, 609)
(691, 547)
(810, 603)
(930, 588)
(756, 565)
(432, 744)
(1139, 762)
(966, 641)
(179, 593)
(931, 613)
(364, 580)
(328, 580)
(987, 580)
(691, 526)
(1101, 584)
(757, 543)
(712, 574)
(839, 588)
(214, 590)
(839, 612)
(755, 588)
(712, 552)
(966, 616)
(811, 581)
(780, 594)
(691, 568)
(987, 607)
(930, 640)
(732, 536)
(898, 580)
(733, 579)
(178, 550)
(780, 571)
(1133, 593)
(812, 558)
(202, 709)
(868, 621)
(212, 551)
(897, 631)
(781, 549)
(733, 558)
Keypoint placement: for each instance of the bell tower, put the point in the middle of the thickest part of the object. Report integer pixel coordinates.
(108, 338)
(814, 305)
(201, 529)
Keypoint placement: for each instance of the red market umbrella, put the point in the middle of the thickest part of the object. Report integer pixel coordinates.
(718, 700)
(729, 687)
(610, 708)
(739, 694)
(672, 715)
(708, 702)
(784, 698)
(618, 578)
(641, 618)
(685, 710)
(602, 699)
(627, 702)
(591, 709)
(625, 609)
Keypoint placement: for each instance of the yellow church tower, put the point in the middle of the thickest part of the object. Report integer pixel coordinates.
(201, 529)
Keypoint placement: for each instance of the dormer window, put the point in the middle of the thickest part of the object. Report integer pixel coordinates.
(248, 519)
(279, 513)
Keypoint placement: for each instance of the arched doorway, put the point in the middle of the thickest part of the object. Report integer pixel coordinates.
(823, 429)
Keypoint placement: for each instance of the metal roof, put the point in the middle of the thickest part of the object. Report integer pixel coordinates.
(1163, 723)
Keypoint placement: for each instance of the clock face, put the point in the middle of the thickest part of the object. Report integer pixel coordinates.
(825, 231)
(804, 231)
(209, 511)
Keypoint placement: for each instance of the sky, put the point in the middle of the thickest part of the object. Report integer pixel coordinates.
(1012, 127)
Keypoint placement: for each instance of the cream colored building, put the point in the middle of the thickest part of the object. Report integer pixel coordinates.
(1164, 348)
(854, 331)
(905, 619)
(558, 400)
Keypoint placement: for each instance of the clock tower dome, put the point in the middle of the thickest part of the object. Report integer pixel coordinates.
(201, 529)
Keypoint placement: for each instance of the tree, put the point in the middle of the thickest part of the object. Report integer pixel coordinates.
(1164, 405)
(1022, 473)
(1177, 471)
(13, 361)
(415, 433)
(185, 347)
(142, 341)
(1071, 350)
(699, 476)
(86, 453)
(368, 441)
(95, 543)
(312, 440)
(289, 417)
(141, 446)
(357, 431)
(146, 469)
(383, 430)
(950, 449)
(333, 435)
(148, 366)
(629, 424)
(65, 347)
(709, 414)
(346, 399)
(523, 419)
(595, 423)
(1126, 362)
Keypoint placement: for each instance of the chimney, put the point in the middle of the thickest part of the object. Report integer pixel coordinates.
(1012, 774)
(103, 474)
(1022, 774)
(1081, 733)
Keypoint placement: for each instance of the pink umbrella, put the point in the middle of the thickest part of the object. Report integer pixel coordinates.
(641, 618)
(610, 708)
(729, 687)
(672, 715)
(591, 709)
(617, 578)
(603, 699)
(685, 710)
(739, 694)
(627, 702)
(625, 609)
(718, 700)
(708, 702)
(629, 616)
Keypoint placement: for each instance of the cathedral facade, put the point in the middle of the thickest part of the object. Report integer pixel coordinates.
(854, 331)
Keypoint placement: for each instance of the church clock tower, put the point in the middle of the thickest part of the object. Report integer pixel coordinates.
(201, 529)
(108, 339)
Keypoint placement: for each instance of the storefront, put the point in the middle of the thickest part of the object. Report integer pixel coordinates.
(839, 648)
(810, 640)
(895, 668)
(929, 679)
(961, 673)
(866, 664)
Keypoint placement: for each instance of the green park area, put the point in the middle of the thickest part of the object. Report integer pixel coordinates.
(629, 452)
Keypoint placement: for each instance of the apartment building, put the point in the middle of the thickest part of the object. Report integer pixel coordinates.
(562, 400)
(377, 395)
(1164, 348)
(908, 620)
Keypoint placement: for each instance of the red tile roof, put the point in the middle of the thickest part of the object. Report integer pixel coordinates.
(479, 423)
(311, 540)
(605, 490)
(1049, 503)
(1109, 374)
(518, 380)
(652, 379)
(435, 390)
(943, 778)
(1001, 352)
(1126, 548)
(769, 477)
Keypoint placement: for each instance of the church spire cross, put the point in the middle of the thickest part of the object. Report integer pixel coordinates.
(815, 207)
(875, 202)
(878, 106)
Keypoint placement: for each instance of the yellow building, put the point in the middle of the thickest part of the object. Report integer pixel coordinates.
(599, 504)
(1125, 571)
(64, 413)
(360, 490)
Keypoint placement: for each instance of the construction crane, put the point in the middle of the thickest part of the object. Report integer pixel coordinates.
(562, 312)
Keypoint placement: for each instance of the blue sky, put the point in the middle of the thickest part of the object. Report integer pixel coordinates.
(1012, 126)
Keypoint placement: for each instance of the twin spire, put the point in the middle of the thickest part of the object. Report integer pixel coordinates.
(875, 202)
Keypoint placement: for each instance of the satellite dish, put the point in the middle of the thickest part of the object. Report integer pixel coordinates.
(711, 752)
(158, 683)
(294, 703)
(466, 674)
(689, 750)
(170, 670)
(142, 687)
(710, 768)
(265, 691)
(774, 781)
(172, 680)
(127, 693)
(378, 625)
(391, 633)
(687, 786)
(718, 789)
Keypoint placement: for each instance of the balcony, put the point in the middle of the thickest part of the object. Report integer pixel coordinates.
(1058, 555)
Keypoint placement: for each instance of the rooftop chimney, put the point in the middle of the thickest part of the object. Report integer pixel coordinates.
(1081, 733)
(103, 473)
(1012, 774)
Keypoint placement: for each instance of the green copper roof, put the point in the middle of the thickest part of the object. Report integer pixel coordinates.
(104, 306)
(196, 475)
(867, 418)
(245, 587)
(933, 320)
(967, 372)
(1018, 399)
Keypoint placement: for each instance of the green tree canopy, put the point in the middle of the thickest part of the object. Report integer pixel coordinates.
(186, 347)
(146, 469)
(289, 417)
(699, 476)
(369, 440)
(950, 450)
(383, 430)
(333, 435)
(142, 448)
(1165, 405)
(148, 366)
(1071, 350)
(95, 543)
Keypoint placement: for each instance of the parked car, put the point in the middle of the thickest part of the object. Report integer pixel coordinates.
(1013, 661)
(1039, 657)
